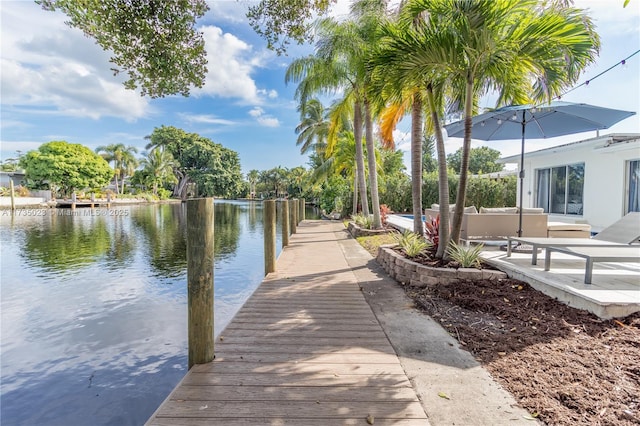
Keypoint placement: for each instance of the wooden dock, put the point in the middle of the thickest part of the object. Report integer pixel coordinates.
(305, 349)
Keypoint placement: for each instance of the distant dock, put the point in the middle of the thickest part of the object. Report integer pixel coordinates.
(68, 204)
(305, 349)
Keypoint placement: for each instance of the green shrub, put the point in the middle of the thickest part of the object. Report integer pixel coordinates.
(163, 194)
(412, 243)
(467, 257)
(363, 221)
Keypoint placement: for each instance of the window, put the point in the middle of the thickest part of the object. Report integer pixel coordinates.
(633, 186)
(560, 190)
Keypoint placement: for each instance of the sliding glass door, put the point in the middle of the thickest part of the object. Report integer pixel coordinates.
(560, 190)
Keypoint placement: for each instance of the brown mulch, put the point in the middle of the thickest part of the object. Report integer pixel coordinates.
(564, 365)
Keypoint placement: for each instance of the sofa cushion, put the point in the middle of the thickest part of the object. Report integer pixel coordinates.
(562, 226)
(531, 210)
(498, 210)
(452, 207)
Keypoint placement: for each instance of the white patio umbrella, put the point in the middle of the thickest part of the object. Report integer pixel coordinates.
(537, 122)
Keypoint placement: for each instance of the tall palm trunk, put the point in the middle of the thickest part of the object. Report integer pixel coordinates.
(355, 189)
(357, 133)
(443, 180)
(115, 174)
(373, 171)
(464, 162)
(416, 163)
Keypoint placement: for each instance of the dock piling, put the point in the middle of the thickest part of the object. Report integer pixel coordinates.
(293, 206)
(200, 245)
(13, 194)
(269, 214)
(301, 214)
(284, 206)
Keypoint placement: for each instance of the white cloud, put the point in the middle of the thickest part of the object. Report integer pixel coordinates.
(264, 119)
(269, 121)
(54, 66)
(229, 66)
(206, 119)
(256, 112)
(271, 94)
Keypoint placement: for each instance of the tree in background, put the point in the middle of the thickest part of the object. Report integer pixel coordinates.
(213, 168)
(154, 42)
(158, 169)
(124, 161)
(252, 178)
(481, 160)
(59, 165)
(429, 160)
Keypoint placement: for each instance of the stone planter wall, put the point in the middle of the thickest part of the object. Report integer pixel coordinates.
(356, 231)
(411, 273)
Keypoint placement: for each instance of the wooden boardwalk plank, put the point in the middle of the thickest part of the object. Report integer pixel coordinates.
(298, 421)
(292, 409)
(293, 393)
(238, 367)
(305, 349)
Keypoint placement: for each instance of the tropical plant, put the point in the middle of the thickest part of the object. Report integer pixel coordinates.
(362, 220)
(158, 167)
(406, 71)
(412, 244)
(212, 167)
(124, 161)
(384, 213)
(313, 129)
(467, 257)
(65, 166)
(432, 229)
(505, 45)
(338, 66)
(253, 177)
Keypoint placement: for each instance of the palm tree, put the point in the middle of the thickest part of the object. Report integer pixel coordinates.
(329, 73)
(158, 166)
(339, 65)
(253, 177)
(505, 45)
(128, 164)
(404, 82)
(123, 158)
(313, 129)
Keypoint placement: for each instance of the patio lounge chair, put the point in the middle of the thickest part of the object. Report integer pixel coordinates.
(596, 254)
(623, 232)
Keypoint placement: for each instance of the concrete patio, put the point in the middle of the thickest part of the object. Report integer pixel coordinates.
(614, 292)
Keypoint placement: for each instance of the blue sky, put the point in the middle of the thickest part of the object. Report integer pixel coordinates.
(56, 85)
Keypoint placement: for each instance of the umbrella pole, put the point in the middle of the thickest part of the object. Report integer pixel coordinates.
(521, 174)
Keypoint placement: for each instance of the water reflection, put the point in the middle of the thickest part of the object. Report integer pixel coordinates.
(93, 308)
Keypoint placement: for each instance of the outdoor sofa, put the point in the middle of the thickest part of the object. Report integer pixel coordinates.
(497, 223)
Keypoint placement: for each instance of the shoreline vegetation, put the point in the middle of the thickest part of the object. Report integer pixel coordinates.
(562, 364)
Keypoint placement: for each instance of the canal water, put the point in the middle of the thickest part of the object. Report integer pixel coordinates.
(94, 307)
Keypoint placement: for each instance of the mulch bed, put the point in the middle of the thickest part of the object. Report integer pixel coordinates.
(564, 365)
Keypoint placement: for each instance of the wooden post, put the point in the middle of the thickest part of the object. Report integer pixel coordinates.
(293, 207)
(301, 214)
(284, 206)
(74, 198)
(13, 194)
(269, 215)
(200, 279)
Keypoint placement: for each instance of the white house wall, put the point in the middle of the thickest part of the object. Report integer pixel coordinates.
(604, 182)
